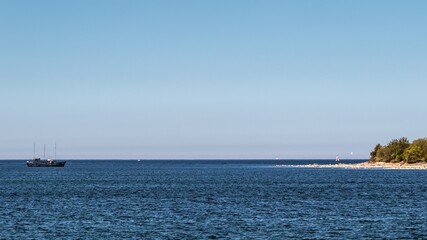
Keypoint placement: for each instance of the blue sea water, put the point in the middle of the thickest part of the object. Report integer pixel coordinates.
(221, 199)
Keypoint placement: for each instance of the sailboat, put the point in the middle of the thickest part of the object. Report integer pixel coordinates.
(37, 162)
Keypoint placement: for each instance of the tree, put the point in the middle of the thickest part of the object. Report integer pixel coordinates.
(401, 149)
(413, 154)
(392, 152)
(375, 152)
(396, 148)
(422, 144)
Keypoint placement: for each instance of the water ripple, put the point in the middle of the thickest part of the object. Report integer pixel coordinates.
(123, 200)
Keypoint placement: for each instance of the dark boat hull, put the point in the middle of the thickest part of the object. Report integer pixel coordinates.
(45, 164)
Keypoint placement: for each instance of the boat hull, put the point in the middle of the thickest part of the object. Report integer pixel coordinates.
(45, 164)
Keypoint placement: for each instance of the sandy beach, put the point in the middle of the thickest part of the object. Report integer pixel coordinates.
(365, 165)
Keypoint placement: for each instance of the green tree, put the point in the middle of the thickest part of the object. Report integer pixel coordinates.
(393, 151)
(374, 153)
(398, 150)
(422, 144)
(413, 154)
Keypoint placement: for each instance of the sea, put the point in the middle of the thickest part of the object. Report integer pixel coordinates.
(210, 199)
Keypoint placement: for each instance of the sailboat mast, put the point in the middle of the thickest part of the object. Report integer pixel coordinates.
(55, 151)
(34, 150)
(44, 151)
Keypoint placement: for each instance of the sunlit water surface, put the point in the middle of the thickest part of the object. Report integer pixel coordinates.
(210, 200)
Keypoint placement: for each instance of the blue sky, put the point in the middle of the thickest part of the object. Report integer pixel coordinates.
(210, 79)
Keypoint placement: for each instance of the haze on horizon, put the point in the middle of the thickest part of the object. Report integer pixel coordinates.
(210, 79)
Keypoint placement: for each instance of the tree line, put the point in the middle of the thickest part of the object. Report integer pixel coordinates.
(401, 150)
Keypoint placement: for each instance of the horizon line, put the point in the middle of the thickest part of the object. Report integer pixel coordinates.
(189, 159)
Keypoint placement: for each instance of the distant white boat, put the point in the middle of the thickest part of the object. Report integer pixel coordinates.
(337, 158)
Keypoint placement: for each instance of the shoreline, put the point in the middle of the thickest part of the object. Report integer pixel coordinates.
(365, 165)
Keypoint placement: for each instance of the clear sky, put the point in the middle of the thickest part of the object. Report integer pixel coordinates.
(210, 79)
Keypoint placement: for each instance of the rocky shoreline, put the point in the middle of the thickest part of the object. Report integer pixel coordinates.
(364, 165)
